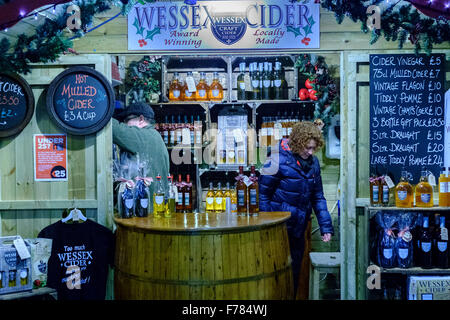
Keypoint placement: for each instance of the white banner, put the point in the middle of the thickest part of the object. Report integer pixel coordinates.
(224, 25)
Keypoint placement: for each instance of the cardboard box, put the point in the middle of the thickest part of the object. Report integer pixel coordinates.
(428, 287)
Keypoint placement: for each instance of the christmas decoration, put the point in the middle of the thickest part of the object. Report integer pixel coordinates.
(323, 89)
(48, 42)
(399, 20)
(143, 79)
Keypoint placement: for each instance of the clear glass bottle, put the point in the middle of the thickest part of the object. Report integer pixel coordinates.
(266, 81)
(175, 88)
(171, 201)
(215, 89)
(159, 206)
(424, 191)
(241, 82)
(404, 192)
(202, 88)
(210, 199)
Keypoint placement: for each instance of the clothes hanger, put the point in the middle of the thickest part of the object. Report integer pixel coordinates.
(75, 215)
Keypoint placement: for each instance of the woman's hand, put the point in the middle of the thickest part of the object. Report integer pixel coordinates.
(326, 237)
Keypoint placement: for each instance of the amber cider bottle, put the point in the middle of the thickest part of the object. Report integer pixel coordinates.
(253, 194)
(424, 191)
(443, 188)
(175, 88)
(202, 88)
(374, 190)
(210, 199)
(241, 192)
(187, 194)
(404, 192)
(215, 89)
(218, 199)
(180, 199)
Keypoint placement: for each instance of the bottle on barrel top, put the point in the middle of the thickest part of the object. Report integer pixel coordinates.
(171, 198)
(241, 82)
(187, 190)
(424, 191)
(175, 88)
(233, 200)
(210, 199)
(253, 193)
(374, 190)
(202, 88)
(425, 245)
(443, 188)
(227, 199)
(441, 253)
(159, 207)
(404, 192)
(216, 89)
(218, 198)
(180, 199)
(241, 190)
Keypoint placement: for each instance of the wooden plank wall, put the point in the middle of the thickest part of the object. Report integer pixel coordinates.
(27, 206)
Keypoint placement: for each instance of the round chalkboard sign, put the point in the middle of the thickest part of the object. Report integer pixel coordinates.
(16, 104)
(80, 100)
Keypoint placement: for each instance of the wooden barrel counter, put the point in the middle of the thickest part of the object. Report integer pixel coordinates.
(203, 256)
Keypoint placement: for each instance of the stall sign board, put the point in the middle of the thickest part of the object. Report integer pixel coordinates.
(50, 157)
(224, 25)
(407, 114)
(80, 100)
(16, 104)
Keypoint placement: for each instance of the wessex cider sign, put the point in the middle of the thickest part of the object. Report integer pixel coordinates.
(224, 25)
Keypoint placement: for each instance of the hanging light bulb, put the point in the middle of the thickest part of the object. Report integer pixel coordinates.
(35, 16)
(54, 9)
(22, 13)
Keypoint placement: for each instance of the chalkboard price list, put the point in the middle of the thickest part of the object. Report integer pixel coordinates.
(407, 113)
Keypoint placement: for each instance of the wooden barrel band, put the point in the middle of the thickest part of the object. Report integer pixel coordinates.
(206, 282)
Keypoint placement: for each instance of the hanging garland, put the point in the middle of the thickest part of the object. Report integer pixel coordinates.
(142, 81)
(48, 42)
(318, 77)
(400, 25)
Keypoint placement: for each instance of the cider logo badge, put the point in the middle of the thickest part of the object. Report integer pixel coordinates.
(228, 29)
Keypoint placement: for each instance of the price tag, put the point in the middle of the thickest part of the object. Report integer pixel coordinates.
(247, 81)
(247, 181)
(238, 135)
(186, 136)
(444, 234)
(191, 84)
(389, 182)
(432, 180)
(21, 248)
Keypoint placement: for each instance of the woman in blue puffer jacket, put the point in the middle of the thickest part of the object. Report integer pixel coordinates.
(290, 181)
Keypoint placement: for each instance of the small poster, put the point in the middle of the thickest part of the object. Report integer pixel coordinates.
(50, 157)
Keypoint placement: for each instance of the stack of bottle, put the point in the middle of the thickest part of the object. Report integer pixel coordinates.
(243, 199)
(407, 240)
(273, 129)
(189, 90)
(178, 132)
(266, 81)
(407, 196)
(177, 197)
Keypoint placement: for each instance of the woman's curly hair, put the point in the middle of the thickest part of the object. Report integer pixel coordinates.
(301, 133)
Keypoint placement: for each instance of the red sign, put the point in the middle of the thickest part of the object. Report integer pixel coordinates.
(50, 157)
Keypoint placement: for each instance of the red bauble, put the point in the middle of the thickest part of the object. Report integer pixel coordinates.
(303, 94)
(308, 84)
(312, 94)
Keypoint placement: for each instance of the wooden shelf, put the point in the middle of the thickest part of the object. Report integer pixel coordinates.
(415, 270)
(370, 208)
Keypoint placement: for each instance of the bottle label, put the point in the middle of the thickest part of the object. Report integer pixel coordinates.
(191, 84)
(144, 203)
(166, 137)
(266, 83)
(242, 85)
(277, 83)
(241, 196)
(186, 199)
(425, 197)
(426, 246)
(198, 139)
(387, 253)
(402, 195)
(255, 83)
(385, 194)
(129, 203)
(444, 234)
(270, 131)
(375, 193)
(202, 93)
(448, 187)
(442, 246)
(159, 200)
(263, 132)
(209, 200)
(403, 253)
(187, 93)
(443, 187)
(219, 200)
(180, 198)
(176, 93)
(215, 92)
(253, 197)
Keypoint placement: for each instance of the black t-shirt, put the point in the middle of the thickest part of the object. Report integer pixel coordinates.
(78, 265)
